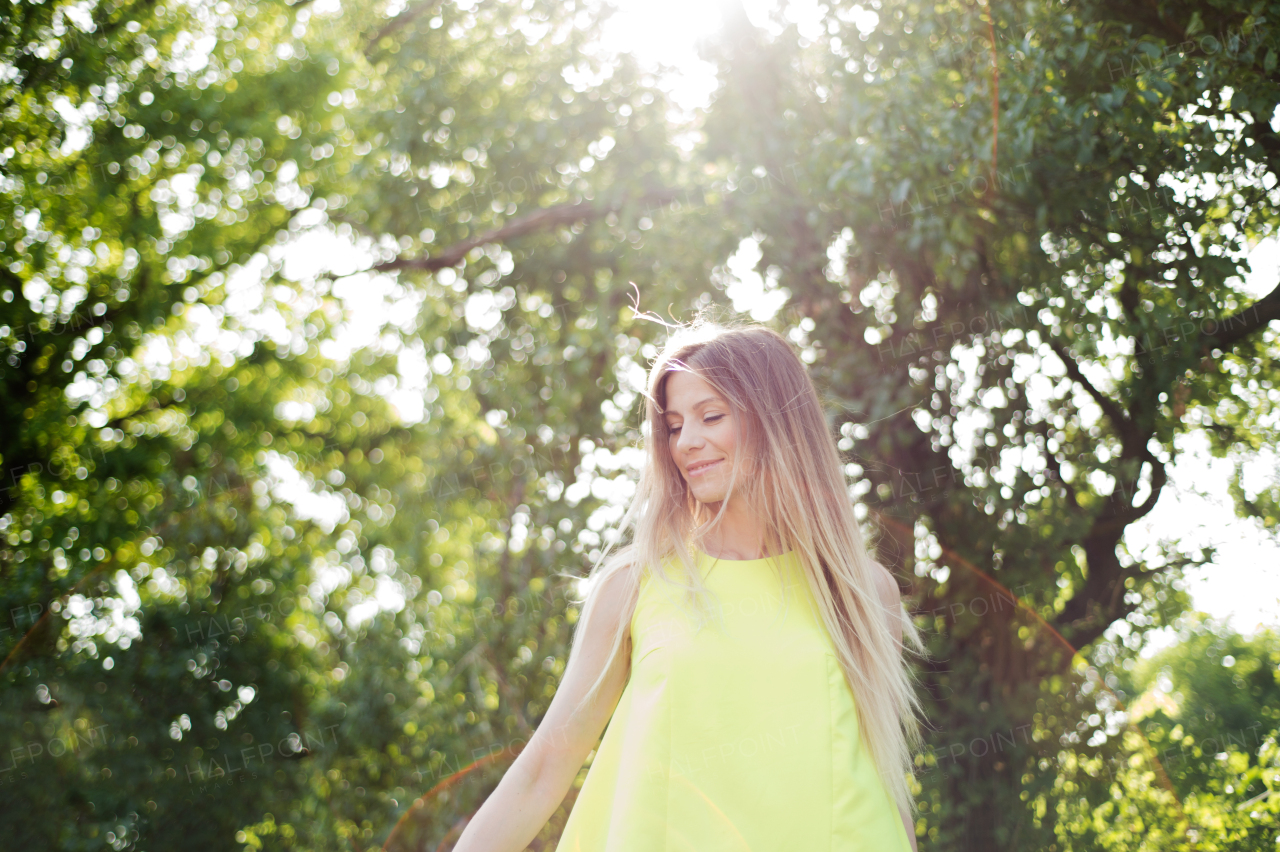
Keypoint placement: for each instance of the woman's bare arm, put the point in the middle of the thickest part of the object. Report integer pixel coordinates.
(910, 827)
(539, 778)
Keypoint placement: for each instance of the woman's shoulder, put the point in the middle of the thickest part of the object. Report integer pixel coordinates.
(621, 582)
(886, 585)
(890, 598)
(628, 579)
(629, 561)
(611, 598)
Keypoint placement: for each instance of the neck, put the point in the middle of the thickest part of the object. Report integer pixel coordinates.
(738, 535)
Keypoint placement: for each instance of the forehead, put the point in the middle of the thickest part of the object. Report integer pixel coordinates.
(686, 390)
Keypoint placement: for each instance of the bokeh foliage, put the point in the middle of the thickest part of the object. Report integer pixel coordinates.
(250, 602)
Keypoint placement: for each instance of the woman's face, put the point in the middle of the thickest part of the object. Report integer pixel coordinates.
(700, 435)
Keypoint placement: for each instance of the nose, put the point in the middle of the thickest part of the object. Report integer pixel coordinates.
(688, 439)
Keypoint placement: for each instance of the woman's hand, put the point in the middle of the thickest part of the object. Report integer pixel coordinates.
(540, 776)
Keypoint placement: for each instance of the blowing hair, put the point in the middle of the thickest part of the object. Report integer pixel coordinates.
(788, 471)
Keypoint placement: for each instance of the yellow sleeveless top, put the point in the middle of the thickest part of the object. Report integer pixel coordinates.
(735, 738)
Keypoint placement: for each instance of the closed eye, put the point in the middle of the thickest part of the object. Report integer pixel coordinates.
(673, 430)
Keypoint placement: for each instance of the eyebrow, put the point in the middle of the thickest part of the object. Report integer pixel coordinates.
(695, 406)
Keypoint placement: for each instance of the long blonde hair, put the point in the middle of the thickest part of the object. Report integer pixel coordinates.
(788, 470)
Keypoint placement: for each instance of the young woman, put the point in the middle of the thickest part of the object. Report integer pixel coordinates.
(745, 649)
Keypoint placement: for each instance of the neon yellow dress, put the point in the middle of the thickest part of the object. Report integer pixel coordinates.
(736, 738)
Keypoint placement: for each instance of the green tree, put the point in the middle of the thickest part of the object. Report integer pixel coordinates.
(1199, 761)
(150, 150)
(1216, 689)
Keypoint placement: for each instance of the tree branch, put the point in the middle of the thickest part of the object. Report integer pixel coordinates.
(1101, 600)
(398, 22)
(1241, 324)
(561, 214)
(1108, 405)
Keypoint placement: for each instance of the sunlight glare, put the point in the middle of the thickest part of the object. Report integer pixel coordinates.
(666, 33)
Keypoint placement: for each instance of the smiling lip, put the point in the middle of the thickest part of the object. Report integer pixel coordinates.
(703, 467)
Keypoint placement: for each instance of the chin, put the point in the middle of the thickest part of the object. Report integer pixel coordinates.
(703, 495)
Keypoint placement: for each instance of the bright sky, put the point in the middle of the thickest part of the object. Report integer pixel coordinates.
(666, 33)
(1242, 584)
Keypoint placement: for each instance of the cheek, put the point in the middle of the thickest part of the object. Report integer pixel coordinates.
(728, 441)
